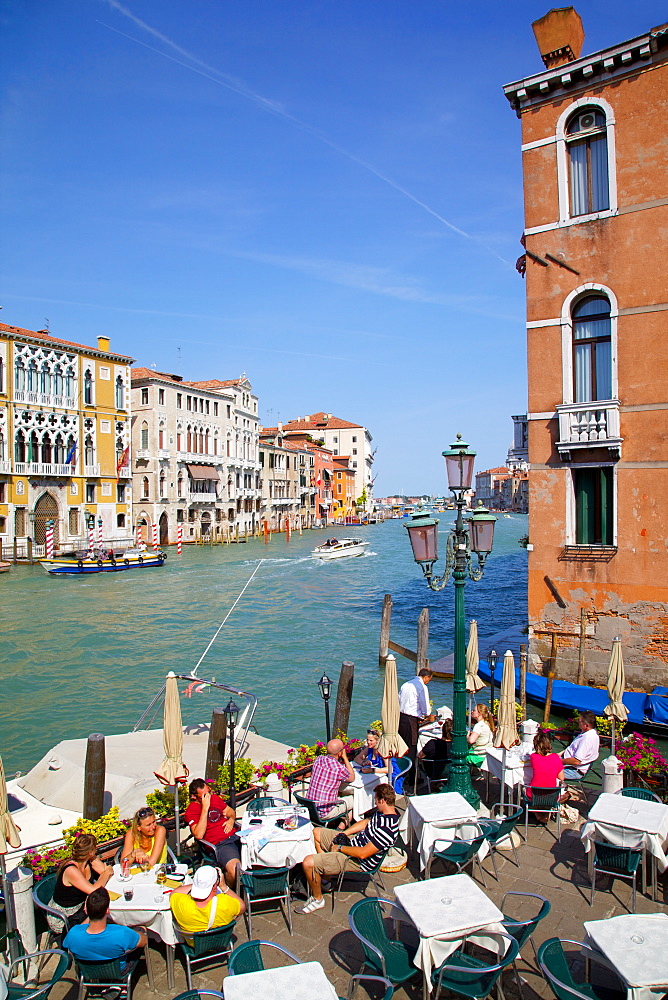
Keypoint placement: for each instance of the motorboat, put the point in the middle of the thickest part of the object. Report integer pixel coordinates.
(340, 548)
(103, 561)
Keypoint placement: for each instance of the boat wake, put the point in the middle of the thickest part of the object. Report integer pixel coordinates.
(279, 561)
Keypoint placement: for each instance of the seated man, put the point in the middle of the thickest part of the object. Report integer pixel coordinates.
(207, 903)
(368, 838)
(583, 751)
(210, 818)
(328, 773)
(96, 940)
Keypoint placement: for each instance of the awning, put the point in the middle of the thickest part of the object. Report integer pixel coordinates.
(203, 472)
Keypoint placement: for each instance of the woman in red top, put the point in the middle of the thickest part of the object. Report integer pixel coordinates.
(547, 767)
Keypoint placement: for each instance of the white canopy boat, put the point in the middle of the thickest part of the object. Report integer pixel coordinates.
(340, 548)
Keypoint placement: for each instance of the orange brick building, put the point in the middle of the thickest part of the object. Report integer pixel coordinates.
(596, 229)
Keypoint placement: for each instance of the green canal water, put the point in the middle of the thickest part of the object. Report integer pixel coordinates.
(85, 654)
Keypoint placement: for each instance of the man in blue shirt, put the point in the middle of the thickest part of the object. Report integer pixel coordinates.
(98, 941)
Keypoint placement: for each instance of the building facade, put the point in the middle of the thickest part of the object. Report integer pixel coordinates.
(194, 457)
(343, 438)
(489, 487)
(596, 214)
(343, 488)
(286, 475)
(64, 441)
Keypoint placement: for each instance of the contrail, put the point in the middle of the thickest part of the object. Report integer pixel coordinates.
(196, 65)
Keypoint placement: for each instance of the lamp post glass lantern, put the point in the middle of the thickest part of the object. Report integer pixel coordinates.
(462, 544)
(231, 711)
(325, 686)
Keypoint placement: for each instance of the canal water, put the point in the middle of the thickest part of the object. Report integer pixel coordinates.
(86, 654)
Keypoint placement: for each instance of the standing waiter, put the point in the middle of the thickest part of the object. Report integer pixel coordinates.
(414, 709)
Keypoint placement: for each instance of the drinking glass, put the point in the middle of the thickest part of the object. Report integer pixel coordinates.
(128, 893)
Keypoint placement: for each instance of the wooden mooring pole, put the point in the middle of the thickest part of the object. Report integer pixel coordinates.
(523, 679)
(385, 624)
(551, 674)
(344, 697)
(93, 803)
(215, 751)
(581, 651)
(422, 640)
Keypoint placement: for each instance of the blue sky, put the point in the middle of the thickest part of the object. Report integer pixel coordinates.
(325, 195)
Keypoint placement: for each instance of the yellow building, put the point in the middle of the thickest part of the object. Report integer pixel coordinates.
(64, 441)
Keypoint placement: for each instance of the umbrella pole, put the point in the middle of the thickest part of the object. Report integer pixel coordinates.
(177, 845)
(10, 920)
(503, 781)
(613, 736)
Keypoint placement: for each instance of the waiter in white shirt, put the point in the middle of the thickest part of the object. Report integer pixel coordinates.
(414, 709)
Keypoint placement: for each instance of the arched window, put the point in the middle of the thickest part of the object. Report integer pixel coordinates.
(69, 382)
(206, 443)
(120, 393)
(19, 375)
(45, 380)
(120, 520)
(144, 435)
(587, 143)
(89, 451)
(2, 375)
(163, 484)
(59, 454)
(32, 376)
(189, 440)
(201, 443)
(179, 438)
(2, 447)
(46, 449)
(58, 381)
(33, 448)
(161, 436)
(88, 387)
(20, 447)
(144, 487)
(592, 349)
(180, 485)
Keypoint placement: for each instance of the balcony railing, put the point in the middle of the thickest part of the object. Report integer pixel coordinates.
(143, 453)
(589, 425)
(164, 453)
(5, 465)
(91, 470)
(43, 469)
(45, 399)
(202, 497)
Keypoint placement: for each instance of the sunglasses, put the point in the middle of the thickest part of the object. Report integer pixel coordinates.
(143, 813)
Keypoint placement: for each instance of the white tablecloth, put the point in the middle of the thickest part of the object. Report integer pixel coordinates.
(637, 946)
(443, 925)
(629, 822)
(306, 981)
(361, 790)
(149, 905)
(439, 818)
(518, 771)
(273, 847)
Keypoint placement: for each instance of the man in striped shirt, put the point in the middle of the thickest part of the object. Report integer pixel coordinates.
(368, 838)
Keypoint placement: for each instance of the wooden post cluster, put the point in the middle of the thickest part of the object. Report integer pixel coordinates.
(215, 751)
(344, 697)
(94, 773)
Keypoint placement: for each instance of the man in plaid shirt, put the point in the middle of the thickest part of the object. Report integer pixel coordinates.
(329, 771)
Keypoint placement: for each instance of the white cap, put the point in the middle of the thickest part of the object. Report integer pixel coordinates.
(204, 880)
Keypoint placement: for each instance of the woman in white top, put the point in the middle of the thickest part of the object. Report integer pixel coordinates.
(480, 737)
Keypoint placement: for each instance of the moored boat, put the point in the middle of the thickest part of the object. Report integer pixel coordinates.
(340, 548)
(104, 562)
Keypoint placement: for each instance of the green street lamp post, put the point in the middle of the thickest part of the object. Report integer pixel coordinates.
(462, 542)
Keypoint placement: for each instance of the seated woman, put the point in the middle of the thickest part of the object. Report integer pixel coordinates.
(435, 754)
(547, 768)
(481, 735)
(78, 876)
(146, 840)
(370, 760)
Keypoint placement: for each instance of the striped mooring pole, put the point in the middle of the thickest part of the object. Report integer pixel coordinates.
(49, 539)
(91, 535)
(139, 534)
(99, 531)
(155, 535)
(179, 539)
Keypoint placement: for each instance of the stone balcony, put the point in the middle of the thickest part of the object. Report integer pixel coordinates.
(45, 399)
(5, 466)
(91, 470)
(202, 497)
(43, 469)
(589, 425)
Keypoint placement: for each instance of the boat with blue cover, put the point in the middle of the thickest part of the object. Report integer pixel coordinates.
(102, 561)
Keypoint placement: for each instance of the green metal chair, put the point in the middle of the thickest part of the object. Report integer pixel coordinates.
(42, 895)
(620, 862)
(372, 875)
(467, 976)
(261, 885)
(460, 853)
(635, 792)
(260, 805)
(542, 800)
(499, 828)
(19, 991)
(386, 956)
(330, 823)
(354, 981)
(247, 957)
(522, 930)
(554, 966)
(404, 764)
(207, 946)
(108, 974)
(199, 995)
(434, 772)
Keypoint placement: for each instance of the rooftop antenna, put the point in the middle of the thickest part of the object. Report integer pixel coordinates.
(178, 355)
(46, 320)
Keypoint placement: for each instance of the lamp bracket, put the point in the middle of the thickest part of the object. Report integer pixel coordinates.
(458, 546)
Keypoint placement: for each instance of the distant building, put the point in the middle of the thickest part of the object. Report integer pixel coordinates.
(194, 456)
(596, 214)
(64, 440)
(342, 437)
(518, 453)
(343, 488)
(488, 487)
(286, 474)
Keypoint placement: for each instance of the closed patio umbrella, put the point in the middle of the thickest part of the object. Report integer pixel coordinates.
(391, 744)
(473, 682)
(172, 770)
(9, 837)
(616, 709)
(506, 731)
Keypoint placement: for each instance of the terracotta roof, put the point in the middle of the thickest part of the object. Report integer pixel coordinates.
(319, 421)
(140, 373)
(216, 383)
(501, 470)
(46, 336)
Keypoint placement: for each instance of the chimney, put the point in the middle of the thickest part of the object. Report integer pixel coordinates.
(103, 344)
(279, 426)
(559, 35)
(328, 416)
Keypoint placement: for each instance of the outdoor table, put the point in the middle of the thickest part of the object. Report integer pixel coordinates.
(307, 981)
(271, 846)
(431, 732)
(362, 790)
(629, 822)
(518, 769)
(148, 907)
(636, 945)
(445, 911)
(439, 817)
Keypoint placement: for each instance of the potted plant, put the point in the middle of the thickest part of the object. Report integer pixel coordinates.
(640, 760)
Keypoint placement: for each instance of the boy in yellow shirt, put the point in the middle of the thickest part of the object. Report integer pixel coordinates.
(207, 903)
